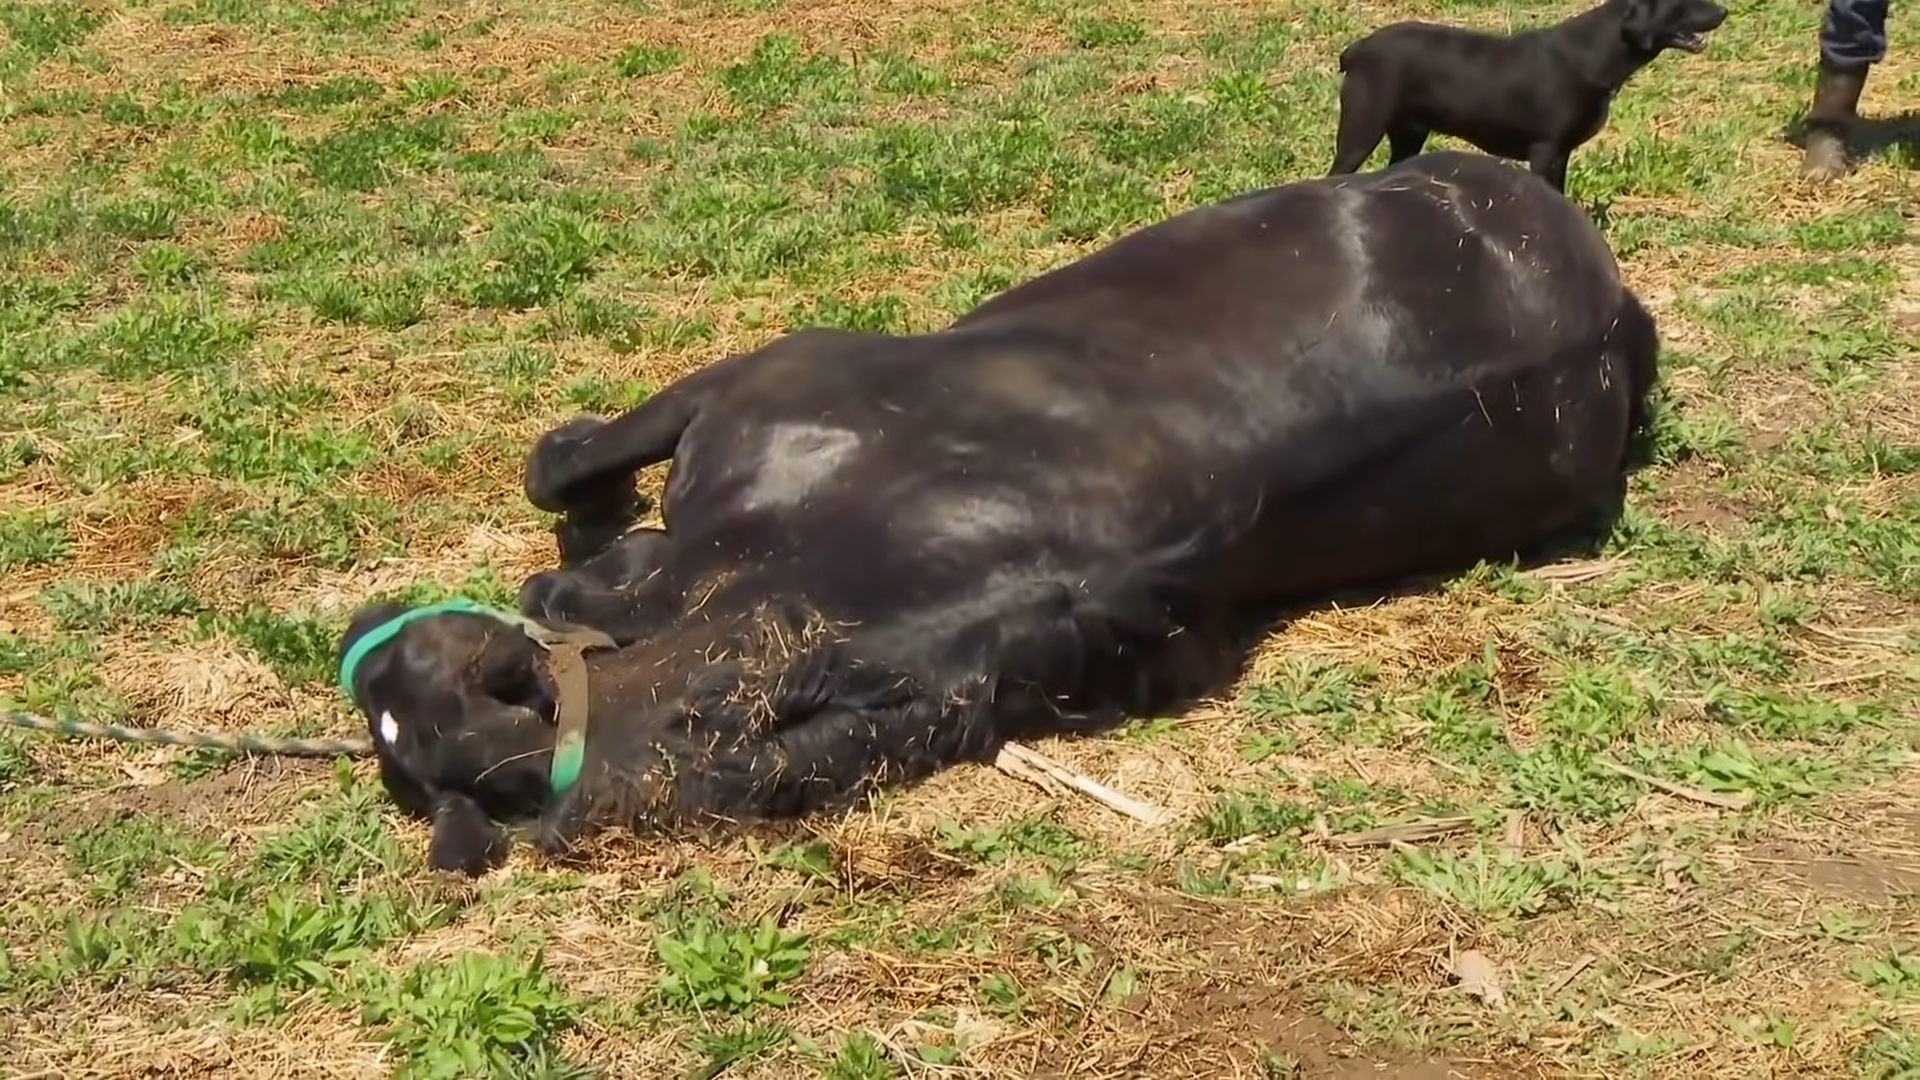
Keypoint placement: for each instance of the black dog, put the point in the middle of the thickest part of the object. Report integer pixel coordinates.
(887, 554)
(1531, 97)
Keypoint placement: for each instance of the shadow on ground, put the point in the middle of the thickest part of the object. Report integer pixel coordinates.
(1896, 137)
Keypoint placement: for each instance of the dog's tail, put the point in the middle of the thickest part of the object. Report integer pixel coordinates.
(1347, 54)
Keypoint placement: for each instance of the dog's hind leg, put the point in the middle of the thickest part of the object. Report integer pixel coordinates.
(1364, 111)
(1405, 141)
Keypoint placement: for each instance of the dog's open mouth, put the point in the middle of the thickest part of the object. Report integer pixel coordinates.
(1689, 41)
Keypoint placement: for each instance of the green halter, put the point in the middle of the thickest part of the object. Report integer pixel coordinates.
(386, 631)
(570, 748)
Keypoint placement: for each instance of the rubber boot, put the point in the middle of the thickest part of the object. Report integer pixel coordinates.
(1836, 99)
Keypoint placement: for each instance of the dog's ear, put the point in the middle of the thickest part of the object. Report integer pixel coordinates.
(1639, 24)
(464, 839)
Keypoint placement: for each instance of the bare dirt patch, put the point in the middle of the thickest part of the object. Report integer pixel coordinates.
(1243, 1000)
(1864, 849)
(1236, 1031)
(237, 801)
(1694, 497)
(1870, 877)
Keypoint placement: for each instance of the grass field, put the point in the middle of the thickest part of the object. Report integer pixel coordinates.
(287, 287)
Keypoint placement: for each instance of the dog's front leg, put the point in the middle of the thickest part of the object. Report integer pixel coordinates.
(1405, 141)
(1549, 163)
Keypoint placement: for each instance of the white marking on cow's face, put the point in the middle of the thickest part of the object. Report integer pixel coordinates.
(796, 459)
(389, 728)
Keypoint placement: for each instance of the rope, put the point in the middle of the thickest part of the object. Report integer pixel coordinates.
(210, 740)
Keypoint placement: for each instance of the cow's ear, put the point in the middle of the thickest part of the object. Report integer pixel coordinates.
(464, 840)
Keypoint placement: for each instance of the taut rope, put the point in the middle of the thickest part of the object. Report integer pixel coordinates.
(204, 740)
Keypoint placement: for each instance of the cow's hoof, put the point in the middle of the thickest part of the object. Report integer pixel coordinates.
(463, 840)
(541, 594)
(558, 849)
(585, 535)
(550, 464)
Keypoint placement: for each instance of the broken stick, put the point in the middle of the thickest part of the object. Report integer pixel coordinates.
(1737, 801)
(1405, 832)
(1034, 768)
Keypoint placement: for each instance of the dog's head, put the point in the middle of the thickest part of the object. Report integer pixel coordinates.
(1651, 26)
(462, 722)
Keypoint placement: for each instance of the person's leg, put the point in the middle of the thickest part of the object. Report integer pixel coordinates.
(1853, 38)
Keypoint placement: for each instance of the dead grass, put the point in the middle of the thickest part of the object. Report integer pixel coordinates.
(131, 1035)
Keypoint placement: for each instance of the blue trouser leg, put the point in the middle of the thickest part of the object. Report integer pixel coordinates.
(1854, 33)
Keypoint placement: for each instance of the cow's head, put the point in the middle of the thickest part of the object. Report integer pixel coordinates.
(461, 717)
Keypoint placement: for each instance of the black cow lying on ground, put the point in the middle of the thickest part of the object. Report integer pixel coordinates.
(886, 554)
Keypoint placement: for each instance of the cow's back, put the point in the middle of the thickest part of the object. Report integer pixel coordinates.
(1446, 246)
(1191, 377)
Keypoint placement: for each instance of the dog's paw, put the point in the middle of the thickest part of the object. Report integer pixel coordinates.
(553, 472)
